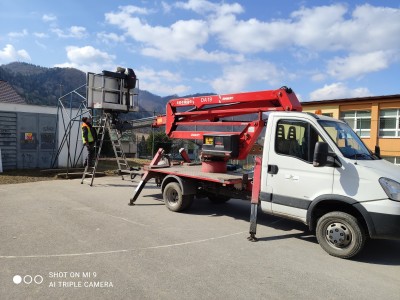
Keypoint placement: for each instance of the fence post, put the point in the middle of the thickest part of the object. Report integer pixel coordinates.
(1, 163)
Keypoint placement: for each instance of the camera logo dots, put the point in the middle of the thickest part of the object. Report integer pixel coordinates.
(28, 279)
(17, 279)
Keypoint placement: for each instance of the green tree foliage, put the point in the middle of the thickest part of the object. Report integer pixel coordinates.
(142, 147)
(39, 85)
(161, 140)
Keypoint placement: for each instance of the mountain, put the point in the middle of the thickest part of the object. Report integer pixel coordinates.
(39, 85)
(43, 86)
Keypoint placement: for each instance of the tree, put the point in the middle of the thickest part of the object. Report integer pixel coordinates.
(142, 147)
(161, 140)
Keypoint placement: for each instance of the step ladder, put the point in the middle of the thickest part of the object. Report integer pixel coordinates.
(115, 137)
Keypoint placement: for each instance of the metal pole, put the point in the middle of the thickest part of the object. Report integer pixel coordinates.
(152, 145)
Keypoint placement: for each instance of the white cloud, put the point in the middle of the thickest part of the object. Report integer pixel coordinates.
(131, 9)
(20, 34)
(87, 54)
(322, 28)
(365, 39)
(161, 82)
(319, 28)
(367, 29)
(318, 77)
(110, 38)
(23, 54)
(306, 32)
(359, 64)
(205, 7)
(10, 54)
(304, 56)
(49, 18)
(183, 39)
(41, 45)
(235, 78)
(88, 59)
(40, 35)
(373, 28)
(166, 7)
(251, 36)
(78, 32)
(338, 90)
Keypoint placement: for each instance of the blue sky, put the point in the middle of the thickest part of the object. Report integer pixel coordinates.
(322, 49)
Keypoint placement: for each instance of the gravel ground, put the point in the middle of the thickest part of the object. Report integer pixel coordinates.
(108, 166)
(22, 176)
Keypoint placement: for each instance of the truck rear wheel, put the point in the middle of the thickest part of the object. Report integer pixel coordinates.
(340, 234)
(173, 198)
(218, 199)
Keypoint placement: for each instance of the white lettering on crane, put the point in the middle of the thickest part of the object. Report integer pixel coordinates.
(206, 99)
(227, 98)
(185, 102)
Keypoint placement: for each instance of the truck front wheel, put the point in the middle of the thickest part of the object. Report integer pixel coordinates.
(173, 198)
(340, 234)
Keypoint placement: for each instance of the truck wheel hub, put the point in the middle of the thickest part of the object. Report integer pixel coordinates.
(172, 197)
(338, 235)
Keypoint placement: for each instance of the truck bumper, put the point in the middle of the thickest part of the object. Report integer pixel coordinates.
(385, 218)
(386, 226)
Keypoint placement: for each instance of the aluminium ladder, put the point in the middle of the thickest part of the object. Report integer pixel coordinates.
(115, 137)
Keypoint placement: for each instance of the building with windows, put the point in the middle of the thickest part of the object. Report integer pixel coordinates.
(375, 119)
(30, 134)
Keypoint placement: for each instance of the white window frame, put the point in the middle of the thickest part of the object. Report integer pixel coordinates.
(396, 130)
(356, 120)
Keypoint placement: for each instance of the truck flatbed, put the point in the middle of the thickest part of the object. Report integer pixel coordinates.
(194, 172)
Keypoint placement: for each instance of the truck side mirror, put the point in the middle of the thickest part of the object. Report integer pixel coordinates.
(320, 154)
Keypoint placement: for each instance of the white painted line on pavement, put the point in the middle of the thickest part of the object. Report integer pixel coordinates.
(122, 251)
(126, 220)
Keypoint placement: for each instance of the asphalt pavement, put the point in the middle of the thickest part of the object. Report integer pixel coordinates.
(65, 240)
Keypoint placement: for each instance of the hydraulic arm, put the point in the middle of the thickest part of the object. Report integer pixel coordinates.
(210, 110)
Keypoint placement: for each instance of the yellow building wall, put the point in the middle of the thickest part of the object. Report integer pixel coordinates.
(329, 109)
(389, 146)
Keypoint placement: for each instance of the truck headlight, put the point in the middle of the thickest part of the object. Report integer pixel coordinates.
(391, 187)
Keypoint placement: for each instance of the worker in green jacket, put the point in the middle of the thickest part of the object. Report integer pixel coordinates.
(89, 138)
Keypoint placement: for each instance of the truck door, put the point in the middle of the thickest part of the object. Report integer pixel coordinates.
(292, 178)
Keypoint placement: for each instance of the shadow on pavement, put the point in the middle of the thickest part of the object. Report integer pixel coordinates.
(383, 252)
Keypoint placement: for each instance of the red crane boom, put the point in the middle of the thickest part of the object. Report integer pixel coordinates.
(209, 110)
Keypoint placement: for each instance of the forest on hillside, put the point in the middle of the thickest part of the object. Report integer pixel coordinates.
(44, 86)
(39, 85)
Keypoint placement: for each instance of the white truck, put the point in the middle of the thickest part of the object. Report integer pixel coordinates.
(312, 168)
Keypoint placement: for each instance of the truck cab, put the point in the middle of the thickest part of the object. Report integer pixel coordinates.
(344, 192)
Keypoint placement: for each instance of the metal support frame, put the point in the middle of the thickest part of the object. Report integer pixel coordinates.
(74, 100)
(146, 176)
(255, 201)
(78, 99)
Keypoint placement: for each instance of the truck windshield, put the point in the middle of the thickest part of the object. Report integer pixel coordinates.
(347, 140)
